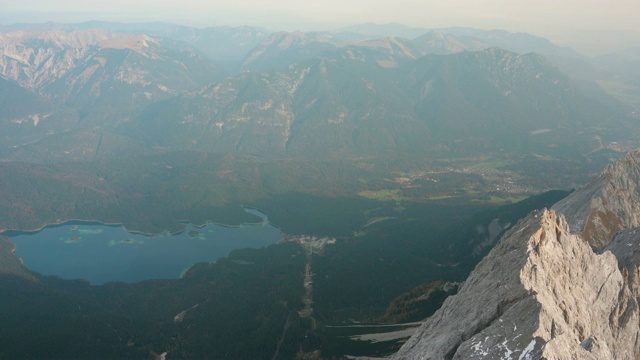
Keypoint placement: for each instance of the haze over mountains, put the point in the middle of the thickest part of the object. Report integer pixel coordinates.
(452, 91)
(391, 158)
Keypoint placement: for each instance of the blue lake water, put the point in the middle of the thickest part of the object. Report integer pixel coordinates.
(104, 253)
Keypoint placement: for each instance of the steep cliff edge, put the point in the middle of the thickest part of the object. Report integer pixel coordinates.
(561, 284)
(541, 293)
(607, 205)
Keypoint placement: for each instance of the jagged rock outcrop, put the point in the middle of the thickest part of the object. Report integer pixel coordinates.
(541, 293)
(102, 77)
(35, 59)
(60, 64)
(607, 205)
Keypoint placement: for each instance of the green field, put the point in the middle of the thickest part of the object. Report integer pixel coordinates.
(384, 195)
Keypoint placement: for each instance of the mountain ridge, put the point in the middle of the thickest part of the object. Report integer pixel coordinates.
(607, 205)
(382, 97)
(460, 103)
(103, 74)
(543, 292)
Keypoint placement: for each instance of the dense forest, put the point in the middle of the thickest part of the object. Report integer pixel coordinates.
(247, 305)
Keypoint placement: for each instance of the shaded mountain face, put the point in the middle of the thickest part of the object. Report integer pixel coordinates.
(284, 48)
(496, 99)
(321, 107)
(463, 38)
(620, 73)
(19, 123)
(440, 43)
(373, 31)
(227, 46)
(517, 42)
(543, 292)
(486, 101)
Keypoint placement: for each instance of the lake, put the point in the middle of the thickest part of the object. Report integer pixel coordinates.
(102, 253)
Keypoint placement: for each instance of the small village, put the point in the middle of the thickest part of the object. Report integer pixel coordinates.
(312, 244)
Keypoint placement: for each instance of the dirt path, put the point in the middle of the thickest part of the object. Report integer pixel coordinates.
(307, 311)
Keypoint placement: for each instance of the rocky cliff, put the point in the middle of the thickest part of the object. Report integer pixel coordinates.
(607, 205)
(544, 292)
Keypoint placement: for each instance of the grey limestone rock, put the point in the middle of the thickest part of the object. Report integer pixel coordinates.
(607, 205)
(542, 292)
(552, 288)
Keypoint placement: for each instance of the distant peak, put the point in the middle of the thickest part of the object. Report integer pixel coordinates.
(135, 42)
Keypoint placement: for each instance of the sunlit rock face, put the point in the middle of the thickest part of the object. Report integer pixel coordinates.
(544, 292)
(607, 205)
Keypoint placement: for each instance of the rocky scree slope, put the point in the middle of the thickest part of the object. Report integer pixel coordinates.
(544, 292)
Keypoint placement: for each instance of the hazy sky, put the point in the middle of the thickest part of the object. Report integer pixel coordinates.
(542, 17)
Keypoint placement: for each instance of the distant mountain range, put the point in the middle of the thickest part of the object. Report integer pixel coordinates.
(451, 92)
(102, 74)
(492, 100)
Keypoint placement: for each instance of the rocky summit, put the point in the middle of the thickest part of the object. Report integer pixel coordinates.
(561, 284)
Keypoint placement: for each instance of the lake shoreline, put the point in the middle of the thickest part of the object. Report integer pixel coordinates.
(130, 257)
(13, 232)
